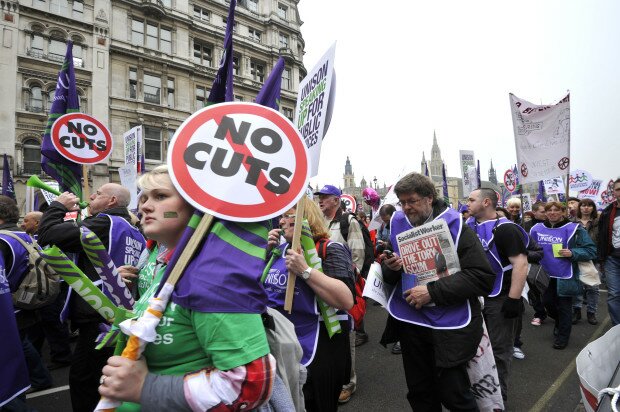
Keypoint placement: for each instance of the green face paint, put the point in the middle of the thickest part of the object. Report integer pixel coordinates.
(170, 215)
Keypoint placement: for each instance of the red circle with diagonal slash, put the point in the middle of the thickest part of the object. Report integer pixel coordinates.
(231, 196)
(84, 155)
(349, 202)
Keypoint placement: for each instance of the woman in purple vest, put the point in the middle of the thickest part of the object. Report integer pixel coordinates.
(198, 360)
(564, 244)
(328, 359)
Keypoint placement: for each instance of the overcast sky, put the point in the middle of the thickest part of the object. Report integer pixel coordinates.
(408, 68)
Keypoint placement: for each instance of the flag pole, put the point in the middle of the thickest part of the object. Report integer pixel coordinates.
(85, 185)
(290, 287)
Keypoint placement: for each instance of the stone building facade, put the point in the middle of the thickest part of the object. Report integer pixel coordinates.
(137, 62)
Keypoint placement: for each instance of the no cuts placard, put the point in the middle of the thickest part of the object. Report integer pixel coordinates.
(239, 161)
(349, 202)
(81, 138)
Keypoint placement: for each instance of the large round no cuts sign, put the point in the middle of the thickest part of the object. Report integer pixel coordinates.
(81, 138)
(239, 161)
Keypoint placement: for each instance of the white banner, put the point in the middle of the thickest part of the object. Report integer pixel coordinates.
(312, 102)
(375, 288)
(542, 138)
(468, 170)
(527, 202)
(554, 186)
(579, 180)
(50, 197)
(130, 140)
(129, 178)
(592, 191)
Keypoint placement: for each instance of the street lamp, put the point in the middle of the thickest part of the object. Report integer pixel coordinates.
(375, 180)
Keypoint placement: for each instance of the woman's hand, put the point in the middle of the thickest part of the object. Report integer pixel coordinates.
(394, 262)
(273, 239)
(123, 379)
(295, 262)
(128, 273)
(565, 253)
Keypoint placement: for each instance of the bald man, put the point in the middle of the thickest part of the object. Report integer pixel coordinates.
(110, 221)
(30, 224)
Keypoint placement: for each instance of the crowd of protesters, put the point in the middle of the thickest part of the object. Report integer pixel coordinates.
(208, 355)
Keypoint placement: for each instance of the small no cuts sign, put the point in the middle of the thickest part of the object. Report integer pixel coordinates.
(81, 138)
(349, 202)
(239, 161)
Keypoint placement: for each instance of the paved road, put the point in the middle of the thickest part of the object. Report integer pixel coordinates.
(545, 380)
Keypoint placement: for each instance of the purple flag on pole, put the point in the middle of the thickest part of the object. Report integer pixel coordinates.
(67, 173)
(541, 192)
(445, 184)
(269, 94)
(478, 175)
(425, 169)
(8, 189)
(222, 89)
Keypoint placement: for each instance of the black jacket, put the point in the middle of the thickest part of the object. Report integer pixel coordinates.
(53, 230)
(604, 231)
(452, 346)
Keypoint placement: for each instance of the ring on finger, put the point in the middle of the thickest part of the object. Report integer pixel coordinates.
(102, 379)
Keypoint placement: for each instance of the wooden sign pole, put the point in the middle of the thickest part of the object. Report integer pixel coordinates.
(290, 288)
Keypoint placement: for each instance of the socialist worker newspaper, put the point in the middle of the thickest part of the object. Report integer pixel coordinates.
(428, 252)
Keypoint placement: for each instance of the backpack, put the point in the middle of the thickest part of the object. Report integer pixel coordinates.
(40, 285)
(359, 306)
(369, 248)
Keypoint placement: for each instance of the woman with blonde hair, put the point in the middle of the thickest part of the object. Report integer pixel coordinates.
(200, 359)
(327, 359)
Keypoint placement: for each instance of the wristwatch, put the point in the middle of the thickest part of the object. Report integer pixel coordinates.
(305, 275)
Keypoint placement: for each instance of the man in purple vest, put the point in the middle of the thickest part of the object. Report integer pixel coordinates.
(16, 376)
(109, 220)
(505, 245)
(609, 252)
(437, 340)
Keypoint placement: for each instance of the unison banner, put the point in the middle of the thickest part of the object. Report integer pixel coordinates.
(542, 138)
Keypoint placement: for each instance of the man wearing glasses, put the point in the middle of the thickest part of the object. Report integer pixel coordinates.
(439, 325)
(505, 245)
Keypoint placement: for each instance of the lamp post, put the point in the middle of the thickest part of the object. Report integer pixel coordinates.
(375, 181)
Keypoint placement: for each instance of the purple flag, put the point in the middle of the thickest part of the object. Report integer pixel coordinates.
(8, 188)
(445, 184)
(478, 175)
(425, 169)
(222, 89)
(541, 192)
(67, 173)
(141, 164)
(519, 189)
(269, 94)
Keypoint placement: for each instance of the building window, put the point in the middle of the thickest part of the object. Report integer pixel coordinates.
(167, 3)
(151, 36)
(165, 41)
(32, 156)
(78, 55)
(238, 98)
(257, 71)
(201, 97)
(286, 79)
(202, 54)
(137, 32)
(170, 92)
(35, 101)
(36, 45)
(152, 143)
(78, 9)
(50, 98)
(254, 34)
(283, 41)
(282, 10)
(152, 89)
(59, 6)
(57, 50)
(288, 112)
(225, 21)
(133, 83)
(236, 65)
(201, 14)
(253, 5)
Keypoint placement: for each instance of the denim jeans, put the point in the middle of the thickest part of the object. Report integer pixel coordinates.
(612, 276)
(592, 294)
